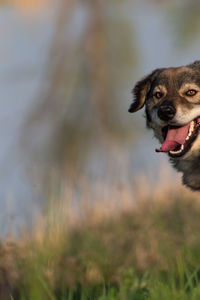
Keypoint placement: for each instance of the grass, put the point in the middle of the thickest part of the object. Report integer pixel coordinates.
(141, 246)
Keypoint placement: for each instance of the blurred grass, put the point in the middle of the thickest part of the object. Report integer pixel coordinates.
(121, 245)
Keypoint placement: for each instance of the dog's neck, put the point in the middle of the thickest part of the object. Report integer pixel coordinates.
(190, 167)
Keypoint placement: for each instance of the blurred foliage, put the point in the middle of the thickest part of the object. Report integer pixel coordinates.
(92, 59)
(80, 115)
(28, 7)
(85, 76)
(185, 23)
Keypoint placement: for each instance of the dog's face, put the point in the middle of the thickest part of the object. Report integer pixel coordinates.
(172, 104)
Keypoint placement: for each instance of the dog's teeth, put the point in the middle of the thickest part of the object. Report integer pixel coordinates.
(191, 129)
(190, 133)
(175, 152)
(178, 151)
(191, 126)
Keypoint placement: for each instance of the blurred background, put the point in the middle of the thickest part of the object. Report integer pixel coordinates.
(67, 68)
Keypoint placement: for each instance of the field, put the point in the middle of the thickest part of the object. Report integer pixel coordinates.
(120, 246)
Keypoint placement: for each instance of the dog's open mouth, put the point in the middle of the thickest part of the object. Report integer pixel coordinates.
(178, 140)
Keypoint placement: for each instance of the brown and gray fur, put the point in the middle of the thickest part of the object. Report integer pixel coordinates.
(172, 83)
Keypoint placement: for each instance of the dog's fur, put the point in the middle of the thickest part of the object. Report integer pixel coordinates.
(173, 83)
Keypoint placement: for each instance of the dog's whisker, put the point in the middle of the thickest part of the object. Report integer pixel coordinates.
(171, 97)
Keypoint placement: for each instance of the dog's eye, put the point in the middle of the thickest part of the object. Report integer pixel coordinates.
(158, 95)
(191, 93)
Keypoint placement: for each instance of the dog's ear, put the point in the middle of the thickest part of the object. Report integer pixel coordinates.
(141, 90)
(195, 64)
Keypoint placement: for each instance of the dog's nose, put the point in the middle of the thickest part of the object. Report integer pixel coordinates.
(166, 111)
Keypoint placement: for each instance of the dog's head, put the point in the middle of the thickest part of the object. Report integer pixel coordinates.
(172, 104)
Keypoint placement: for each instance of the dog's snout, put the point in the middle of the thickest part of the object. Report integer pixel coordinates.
(166, 111)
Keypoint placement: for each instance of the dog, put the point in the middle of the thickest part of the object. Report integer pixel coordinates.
(171, 97)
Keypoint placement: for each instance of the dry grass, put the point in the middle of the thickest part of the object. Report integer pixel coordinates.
(93, 233)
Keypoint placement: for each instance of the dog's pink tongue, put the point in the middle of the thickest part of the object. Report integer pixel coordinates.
(175, 137)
